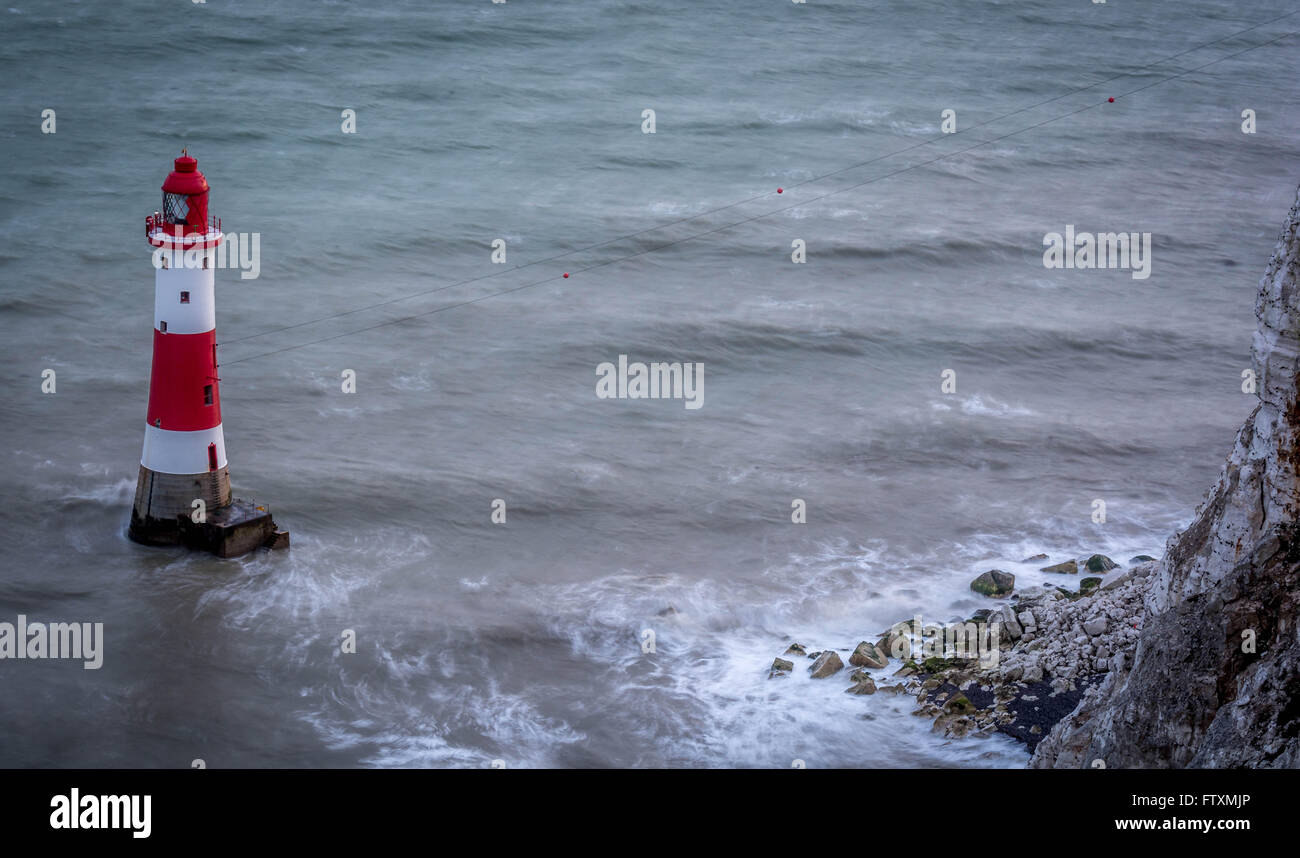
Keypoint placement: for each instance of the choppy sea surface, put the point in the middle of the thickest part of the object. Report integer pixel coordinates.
(523, 641)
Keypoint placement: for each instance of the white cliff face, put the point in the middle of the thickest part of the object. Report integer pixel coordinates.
(1258, 487)
(1195, 695)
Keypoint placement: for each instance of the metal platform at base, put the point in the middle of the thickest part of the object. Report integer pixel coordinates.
(229, 531)
(234, 529)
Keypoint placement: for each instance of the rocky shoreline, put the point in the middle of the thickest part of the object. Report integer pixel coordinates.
(1017, 667)
(1189, 661)
(1215, 681)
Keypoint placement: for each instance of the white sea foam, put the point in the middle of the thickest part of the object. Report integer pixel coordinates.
(987, 406)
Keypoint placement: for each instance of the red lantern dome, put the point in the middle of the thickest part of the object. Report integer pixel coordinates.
(185, 196)
(183, 220)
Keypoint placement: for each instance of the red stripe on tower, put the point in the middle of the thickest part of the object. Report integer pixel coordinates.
(183, 393)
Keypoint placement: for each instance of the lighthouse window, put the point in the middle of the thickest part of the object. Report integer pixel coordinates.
(175, 207)
(185, 297)
(207, 394)
(162, 327)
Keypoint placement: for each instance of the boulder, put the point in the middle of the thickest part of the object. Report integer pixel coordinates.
(1095, 627)
(895, 645)
(780, 665)
(1006, 619)
(1068, 567)
(866, 686)
(1116, 580)
(827, 664)
(1034, 595)
(1100, 563)
(1087, 585)
(868, 655)
(995, 583)
(1037, 558)
(1141, 558)
(796, 649)
(959, 704)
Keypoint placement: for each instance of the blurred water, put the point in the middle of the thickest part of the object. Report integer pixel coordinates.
(522, 642)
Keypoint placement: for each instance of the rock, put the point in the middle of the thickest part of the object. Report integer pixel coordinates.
(1027, 621)
(1095, 627)
(1100, 563)
(995, 583)
(866, 686)
(895, 645)
(1141, 558)
(1036, 594)
(827, 664)
(867, 655)
(956, 726)
(779, 666)
(1116, 580)
(1037, 558)
(1069, 566)
(1006, 618)
(1033, 672)
(959, 704)
(796, 649)
(1087, 585)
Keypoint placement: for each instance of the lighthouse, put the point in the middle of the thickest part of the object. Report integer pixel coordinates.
(183, 496)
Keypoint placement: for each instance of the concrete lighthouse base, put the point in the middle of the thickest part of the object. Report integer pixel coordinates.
(164, 514)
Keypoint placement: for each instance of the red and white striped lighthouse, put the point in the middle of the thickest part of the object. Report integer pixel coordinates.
(184, 458)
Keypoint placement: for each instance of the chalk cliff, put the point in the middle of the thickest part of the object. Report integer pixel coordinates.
(1198, 692)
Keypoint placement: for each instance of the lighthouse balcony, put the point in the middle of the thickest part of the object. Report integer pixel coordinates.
(161, 232)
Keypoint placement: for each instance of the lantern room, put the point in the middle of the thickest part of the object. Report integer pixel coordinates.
(185, 197)
(183, 221)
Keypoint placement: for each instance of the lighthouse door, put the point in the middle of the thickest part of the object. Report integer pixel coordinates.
(212, 457)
